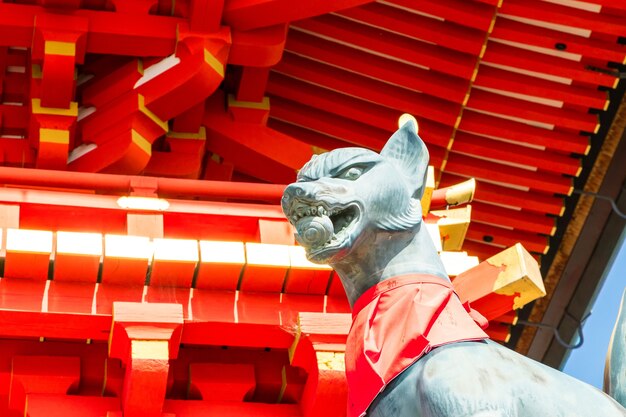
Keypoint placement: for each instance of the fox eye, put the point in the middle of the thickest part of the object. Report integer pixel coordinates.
(352, 173)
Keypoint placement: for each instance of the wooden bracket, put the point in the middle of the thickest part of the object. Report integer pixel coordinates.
(506, 281)
(145, 337)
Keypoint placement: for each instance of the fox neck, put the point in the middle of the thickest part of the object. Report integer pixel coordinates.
(384, 255)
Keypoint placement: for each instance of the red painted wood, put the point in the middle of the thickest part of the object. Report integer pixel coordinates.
(506, 238)
(251, 14)
(42, 405)
(359, 110)
(494, 78)
(546, 38)
(470, 14)
(442, 33)
(221, 382)
(568, 16)
(521, 109)
(402, 48)
(500, 173)
(495, 150)
(558, 141)
(41, 375)
(378, 67)
(518, 220)
(418, 104)
(502, 55)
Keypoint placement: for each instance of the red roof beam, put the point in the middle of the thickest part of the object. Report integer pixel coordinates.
(281, 148)
(319, 139)
(352, 108)
(260, 47)
(522, 110)
(565, 18)
(515, 219)
(481, 249)
(16, 88)
(123, 183)
(522, 133)
(108, 32)
(443, 33)
(540, 91)
(502, 174)
(515, 155)
(505, 238)
(252, 14)
(375, 66)
(544, 66)
(557, 42)
(466, 13)
(330, 124)
(509, 198)
(420, 105)
(391, 45)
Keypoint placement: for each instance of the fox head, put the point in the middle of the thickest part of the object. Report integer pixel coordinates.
(350, 194)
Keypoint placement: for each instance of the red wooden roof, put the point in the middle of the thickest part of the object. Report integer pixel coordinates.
(508, 92)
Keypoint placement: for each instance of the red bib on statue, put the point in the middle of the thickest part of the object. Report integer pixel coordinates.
(394, 324)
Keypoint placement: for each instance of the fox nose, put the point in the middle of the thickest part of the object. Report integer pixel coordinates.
(292, 191)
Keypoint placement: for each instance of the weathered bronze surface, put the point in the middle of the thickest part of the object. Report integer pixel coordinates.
(359, 211)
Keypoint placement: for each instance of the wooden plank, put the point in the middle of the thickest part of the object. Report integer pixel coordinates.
(504, 174)
(508, 280)
(402, 48)
(321, 142)
(377, 67)
(221, 381)
(470, 14)
(453, 224)
(266, 268)
(27, 253)
(513, 219)
(527, 111)
(516, 132)
(362, 111)
(557, 14)
(508, 197)
(125, 259)
(77, 256)
(251, 14)
(41, 375)
(440, 32)
(305, 277)
(453, 195)
(194, 408)
(537, 90)
(50, 405)
(416, 103)
(174, 262)
(544, 66)
(513, 31)
(504, 238)
(220, 265)
(516, 154)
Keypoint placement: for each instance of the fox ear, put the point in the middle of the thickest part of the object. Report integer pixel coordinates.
(408, 152)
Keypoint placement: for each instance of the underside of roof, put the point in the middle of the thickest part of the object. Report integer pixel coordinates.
(519, 94)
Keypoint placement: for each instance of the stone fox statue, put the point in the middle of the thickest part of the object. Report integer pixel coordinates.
(413, 349)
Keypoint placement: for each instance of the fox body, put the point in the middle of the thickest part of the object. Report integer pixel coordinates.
(360, 212)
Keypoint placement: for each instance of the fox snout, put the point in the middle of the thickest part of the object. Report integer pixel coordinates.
(290, 195)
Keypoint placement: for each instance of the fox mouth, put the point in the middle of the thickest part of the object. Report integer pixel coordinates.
(322, 227)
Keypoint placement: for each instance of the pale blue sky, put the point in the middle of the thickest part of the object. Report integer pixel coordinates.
(587, 362)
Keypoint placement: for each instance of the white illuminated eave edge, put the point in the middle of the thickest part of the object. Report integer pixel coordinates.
(143, 203)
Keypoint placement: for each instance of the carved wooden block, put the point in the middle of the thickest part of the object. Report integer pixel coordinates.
(506, 281)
